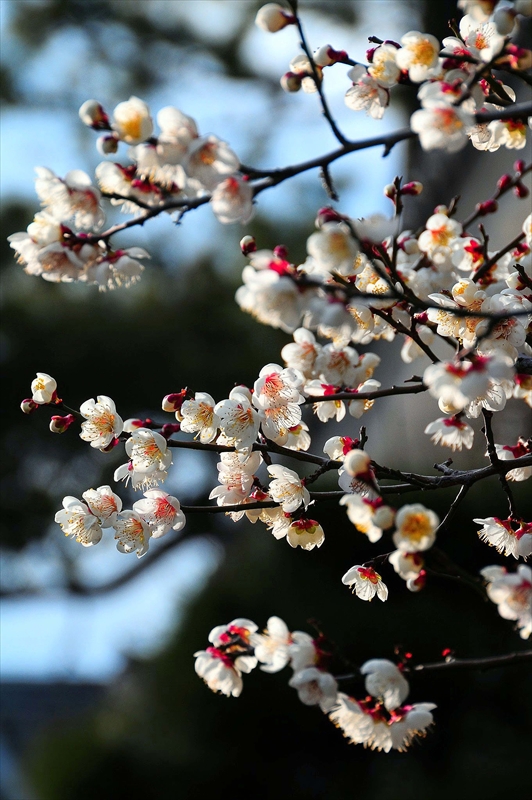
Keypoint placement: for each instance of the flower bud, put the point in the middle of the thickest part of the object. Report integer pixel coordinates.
(488, 207)
(327, 214)
(519, 165)
(521, 191)
(327, 55)
(248, 245)
(173, 402)
(44, 389)
(92, 114)
(131, 425)
(390, 191)
(107, 145)
(61, 424)
(504, 182)
(416, 584)
(281, 251)
(357, 462)
(291, 82)
(272, 18)
(28, 406)
(413, 188)
(169, 428)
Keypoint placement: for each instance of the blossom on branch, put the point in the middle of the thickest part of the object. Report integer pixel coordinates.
(365, 582)
(78, 522)
(509, 536)
(512, 592)
(103, 425)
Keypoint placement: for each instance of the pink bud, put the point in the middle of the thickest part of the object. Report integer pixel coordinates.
(281, 251)
(291, 82)
(248, 245)
(519, 166)
(390, 191)
(173, 402)
(504, 182)
(327, 55)
(413, 188)
(169, 428)
(521, 191)
(327, 214)
(61, 424)
(488, 207)
(28, 406)
(92, 114)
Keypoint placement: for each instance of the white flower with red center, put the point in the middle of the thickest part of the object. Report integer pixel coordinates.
(482, 39)
(277, 420)
(273, 298)
(296, 437)
(419, 55)
(512, 591)
(287, 488)
(523, 388)
(510, 536)
(332, 249)
(44, 230)
(132, 121)
(232, 200)
(451, 432)
(198, 416)
(149, 460)
(104, 504)
(211, 161)
(277, 387)
(366, 94)
(439, 238)
(103, 424)
(383, 67)
(73, 197)
(408, 566)
(301, 354)
(357, 407)
(239, 422)
(365, 582)
(177, 129)
(447, 91)
(305, 533)
(337, 365)
(43, 389)
(272, 18)
(315, 687)
(457, 384)
(405, 725)
(161, 512)
(385, 682)
(116, 268)
(219, 671)
(78, 522)
(442, 127)
(337, 447)
(507, 452)
(415, 528)
(236, 476)
(370, 282)
(355, 723)
(369, 516)
(271, 646)
(326, 409)
(509, 133)
(132, 533)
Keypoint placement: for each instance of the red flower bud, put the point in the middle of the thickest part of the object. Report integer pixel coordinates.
(504, 182)
(61, 424)
(488, 207)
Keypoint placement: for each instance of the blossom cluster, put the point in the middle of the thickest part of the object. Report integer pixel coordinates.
(381, 720)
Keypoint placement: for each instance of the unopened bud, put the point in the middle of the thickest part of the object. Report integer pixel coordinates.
(488, 207)
(390, 191)
(504, 182)
(291, 82)
(369, 54)
(92, 114)
(521, 191)
(28, 406)
(413, 188)
(327, 55)
(169, 428)
(416, 584)
(61, 424)
(131, 425)
(173, 402)
(281, 251)
(248, 245)
(272, 18)
(112, 444)
(519, 166)
(357, 463)
(107, 145)
(327, 214)
(441, 210)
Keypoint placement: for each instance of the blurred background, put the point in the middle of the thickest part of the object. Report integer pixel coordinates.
(99, 695)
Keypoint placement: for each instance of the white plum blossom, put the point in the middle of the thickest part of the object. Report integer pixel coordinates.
(271, 646)
(160, 511)
(507, 452)
(239, 421)
(271, 297)
(287, 488)
(232, 200)
(104, 504)
(315, 687)
(439, 238)
(198, 416)
(442, 127)
(332, 249)
(451, 432)
(305, 533)
(457, 384)
(43, 389)
(132, 533)
(482, 39)
(365, 582)
(337, 365)
(211, 161)
(415, 528)
(301, 354)
(385, 681)
(115, 268)
(78, 522)
(132, 121)
(419, 55)
(370, 517)
(407, 565)
(222, 665)
(326, 409)
(73, 197)
(406, 724)
(512, 592)
(236, 476)
(276, 387)
(366, 94)
(219, 671)
(103, 425)
(508, 536)
(149, 460)
(272, 17)
(383, 67)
